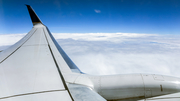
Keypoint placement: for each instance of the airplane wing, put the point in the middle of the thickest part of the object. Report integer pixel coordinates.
(32, 69)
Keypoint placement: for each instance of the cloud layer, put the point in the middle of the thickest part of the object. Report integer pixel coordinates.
(117, 53)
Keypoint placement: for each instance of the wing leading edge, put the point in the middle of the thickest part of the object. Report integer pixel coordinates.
(29, 69)
(33, 68)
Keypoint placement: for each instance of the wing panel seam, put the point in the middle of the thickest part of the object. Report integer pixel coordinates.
(31, 93)
(63, 81)
(17, 48)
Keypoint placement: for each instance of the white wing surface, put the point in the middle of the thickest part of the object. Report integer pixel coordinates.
(33, 69)
(30, 69)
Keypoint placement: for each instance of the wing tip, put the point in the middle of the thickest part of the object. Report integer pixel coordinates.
(26, 4)
(34, 18)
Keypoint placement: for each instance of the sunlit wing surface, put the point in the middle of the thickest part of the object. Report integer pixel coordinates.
(31, 70)
(37, 69)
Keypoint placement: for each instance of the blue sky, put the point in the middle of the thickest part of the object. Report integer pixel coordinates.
(87, 31)
(92, 16)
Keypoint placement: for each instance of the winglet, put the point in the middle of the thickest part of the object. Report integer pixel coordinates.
(35, 19)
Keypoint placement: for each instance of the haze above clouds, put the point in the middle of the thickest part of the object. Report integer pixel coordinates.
(117, 53)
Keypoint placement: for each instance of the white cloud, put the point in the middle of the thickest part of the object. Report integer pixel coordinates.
(121, 53)
(99, 36)
(118, 53)
(97, 11)
(9, 39)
